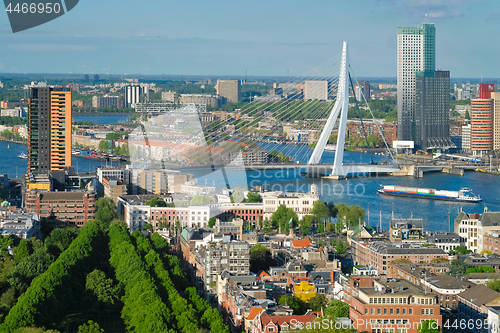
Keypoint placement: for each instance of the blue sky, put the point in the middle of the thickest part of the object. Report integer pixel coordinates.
(225, 37)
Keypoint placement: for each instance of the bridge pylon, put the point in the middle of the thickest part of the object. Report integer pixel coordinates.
(341, 106)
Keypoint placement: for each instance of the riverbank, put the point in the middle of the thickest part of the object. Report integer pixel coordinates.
(13, 141)
(101, 113)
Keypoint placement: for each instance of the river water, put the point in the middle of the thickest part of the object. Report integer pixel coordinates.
(103, 119)
(353, 191)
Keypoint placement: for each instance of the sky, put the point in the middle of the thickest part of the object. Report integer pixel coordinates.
(261, 37)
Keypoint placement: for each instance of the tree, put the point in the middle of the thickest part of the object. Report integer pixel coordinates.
(320, 211)
(336, 308)
(103, 293)
(321, 229)
(332, 208)
(329, 227)
(253, 197)
(267, 226)
(317, 303)
(61, 238)
(351, 215)
(156, 202)
(113, 136)
(305, 224)
(457, 267)
(467, 115)
(460, 250)
(480, 269)
(106, 210)
(494, 284)
(90, 327)
(341, 247)
(296, 304)
(104, 145)
(429, 326)
(260, 258)
(212, 221)
(22, 250)
(282, 216)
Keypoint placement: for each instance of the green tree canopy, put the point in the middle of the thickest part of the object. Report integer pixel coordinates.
(90, 327)
(460, 250)
(305, 224)
(260, 258)
(113, 136)
(336, 308)
(457, 267)
(350, 214)
(494, 284)
(282, 216)
(253, 197)
(104, 145)
(317, 303)
(480, 269)
(320, 211)
(212, 221)
(295, 303)
(156, 202)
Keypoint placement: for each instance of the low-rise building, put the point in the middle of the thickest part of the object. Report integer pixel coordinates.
(473, 227)
(21, 226)
(114, 188)
(390, 305)
(473, 307)
(380, 254)
(75, 207)
(301, 203)
(445, 240)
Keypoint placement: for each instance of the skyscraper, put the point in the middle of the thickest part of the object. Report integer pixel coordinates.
(132, 94)
(416, 64)
(365, 86)
(49, 129)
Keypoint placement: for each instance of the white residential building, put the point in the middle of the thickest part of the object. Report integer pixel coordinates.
(316, 90)
(473, 227)
(301, 203)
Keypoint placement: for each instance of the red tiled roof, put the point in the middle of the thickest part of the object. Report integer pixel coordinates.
(254, 311)
(302, 243)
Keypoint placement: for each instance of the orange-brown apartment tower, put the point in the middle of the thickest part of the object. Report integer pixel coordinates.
(49, 129)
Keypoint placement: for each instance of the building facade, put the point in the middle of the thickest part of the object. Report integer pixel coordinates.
(49, 128)
(132, 95)
(481, 125)
(432, 104)
(69, 207)
(229, 89)
(316, 90)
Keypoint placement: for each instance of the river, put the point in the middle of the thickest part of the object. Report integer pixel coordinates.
(103, 119)
(354, 191)
(363, 190)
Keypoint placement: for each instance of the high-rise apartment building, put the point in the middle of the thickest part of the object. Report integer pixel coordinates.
(421, 93)
(229, 89)
(481, 125)
(495, 96)
(106, 101)
(132, 94)
(49, 129)
(316, 90)
(466, 137)
(365, 86)
(432, 99)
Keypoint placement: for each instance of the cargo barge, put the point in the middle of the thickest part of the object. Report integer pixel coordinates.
(464, 194)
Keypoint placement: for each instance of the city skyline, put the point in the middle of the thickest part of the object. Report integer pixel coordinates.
(261, 39)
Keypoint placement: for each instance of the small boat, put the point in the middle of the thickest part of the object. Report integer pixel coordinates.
(23, 156)
(8, 147)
